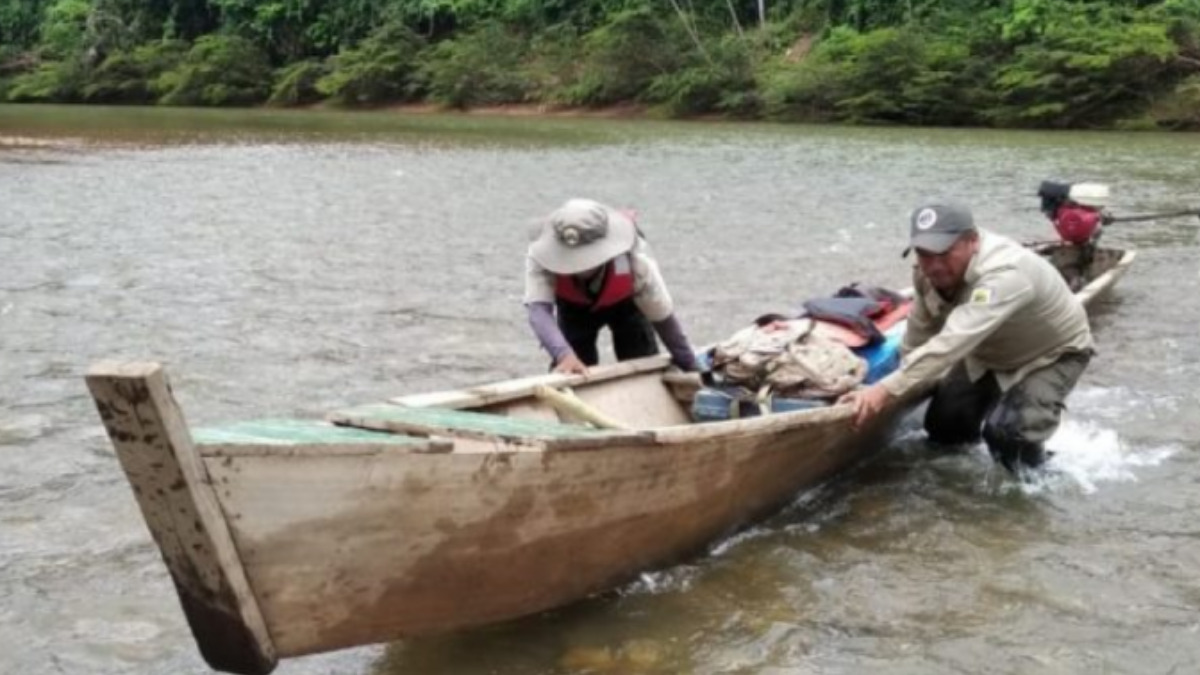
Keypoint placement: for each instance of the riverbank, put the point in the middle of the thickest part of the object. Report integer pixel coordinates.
(31, 127)
(618, 111)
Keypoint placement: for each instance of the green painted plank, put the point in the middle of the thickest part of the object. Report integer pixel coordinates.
(467, 421)
(293, 432)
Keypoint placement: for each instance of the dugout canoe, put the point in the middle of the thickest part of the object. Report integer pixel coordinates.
(437, 512)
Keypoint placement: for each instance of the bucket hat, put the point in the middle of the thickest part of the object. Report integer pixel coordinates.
(581, 235)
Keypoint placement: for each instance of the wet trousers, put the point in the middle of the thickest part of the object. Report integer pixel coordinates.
(1016, 423)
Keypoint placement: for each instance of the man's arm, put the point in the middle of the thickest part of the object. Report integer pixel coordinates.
(671, 333)
(991, 301)
(541, 320)
(653, 300)
(650, 292)
(921, 324)
(539, 306)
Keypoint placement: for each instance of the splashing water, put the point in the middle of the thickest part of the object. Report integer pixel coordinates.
(675, 579)
(1086, 454)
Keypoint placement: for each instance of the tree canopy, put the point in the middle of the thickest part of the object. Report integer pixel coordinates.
(1028, 63)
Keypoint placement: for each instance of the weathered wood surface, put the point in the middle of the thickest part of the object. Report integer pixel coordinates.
(449, 422)
(170, 483)
(354, 550)
(576, 410)
(1091, 270)
(511, 390)
(639, 400)
(1107, 279)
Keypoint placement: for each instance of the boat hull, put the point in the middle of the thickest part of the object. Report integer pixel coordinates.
(355, 549)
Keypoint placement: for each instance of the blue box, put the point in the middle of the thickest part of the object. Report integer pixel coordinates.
(882, 358)
(714, 404)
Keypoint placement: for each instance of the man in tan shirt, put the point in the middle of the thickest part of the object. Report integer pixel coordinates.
(1002, 326)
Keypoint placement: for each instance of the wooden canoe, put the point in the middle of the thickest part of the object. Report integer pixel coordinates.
(440, 511)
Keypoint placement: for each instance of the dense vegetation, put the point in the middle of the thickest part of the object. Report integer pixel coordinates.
(1037, 63)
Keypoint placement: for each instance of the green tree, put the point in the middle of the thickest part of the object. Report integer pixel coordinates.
(382, 68)
(621, 59)
(129, 77)
(296, 84)
(20, 23)
(483, 67)
(724, 82)
(218, 70)
(1080, 64)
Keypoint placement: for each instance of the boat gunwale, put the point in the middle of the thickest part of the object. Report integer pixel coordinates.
(432, 446)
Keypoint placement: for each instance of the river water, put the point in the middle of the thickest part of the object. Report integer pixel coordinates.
(287, 264)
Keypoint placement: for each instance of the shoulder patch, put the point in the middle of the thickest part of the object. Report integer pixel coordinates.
(981, 296)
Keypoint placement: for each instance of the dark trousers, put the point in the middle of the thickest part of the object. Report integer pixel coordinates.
(632, 334)
(1016, 423)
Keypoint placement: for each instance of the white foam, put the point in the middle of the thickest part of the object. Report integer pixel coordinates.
(1086, 455)
(671, 580)
(725, 545)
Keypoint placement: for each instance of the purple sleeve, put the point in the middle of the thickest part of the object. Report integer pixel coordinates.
(541, 320)
(671, 333)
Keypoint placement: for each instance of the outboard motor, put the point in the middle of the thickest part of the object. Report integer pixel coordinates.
(1076, 209)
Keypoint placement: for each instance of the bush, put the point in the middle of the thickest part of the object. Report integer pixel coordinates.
(1181, 108)
(50, 82)
(128, 77)
(848, 76)
(297, 84)
(551, 64)
(482, 67)
(622, 58)
(217, 70)
(723, 83)
(380, 69)
(64, 30)
(911, 75)
(1081, 65)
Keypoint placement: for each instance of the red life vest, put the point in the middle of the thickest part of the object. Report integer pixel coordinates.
(618, 286)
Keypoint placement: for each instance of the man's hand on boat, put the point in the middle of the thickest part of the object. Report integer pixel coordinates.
(570, 364)
(867, 402)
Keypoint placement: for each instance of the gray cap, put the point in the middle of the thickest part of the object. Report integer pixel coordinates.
(935, 227)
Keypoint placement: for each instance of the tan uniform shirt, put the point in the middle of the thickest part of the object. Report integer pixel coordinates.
(649, 290)
(1014, 314)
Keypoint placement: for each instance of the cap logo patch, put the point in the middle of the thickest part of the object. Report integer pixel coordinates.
(926, 219)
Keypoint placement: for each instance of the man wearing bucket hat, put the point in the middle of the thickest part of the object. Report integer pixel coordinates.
(590, 266)
(1000, 325)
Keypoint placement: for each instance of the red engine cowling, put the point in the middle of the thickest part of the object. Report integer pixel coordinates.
(1077, 224)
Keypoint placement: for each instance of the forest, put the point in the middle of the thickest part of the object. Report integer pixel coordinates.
(983, 63)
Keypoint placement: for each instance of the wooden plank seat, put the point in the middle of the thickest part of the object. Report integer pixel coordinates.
(486, 426)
